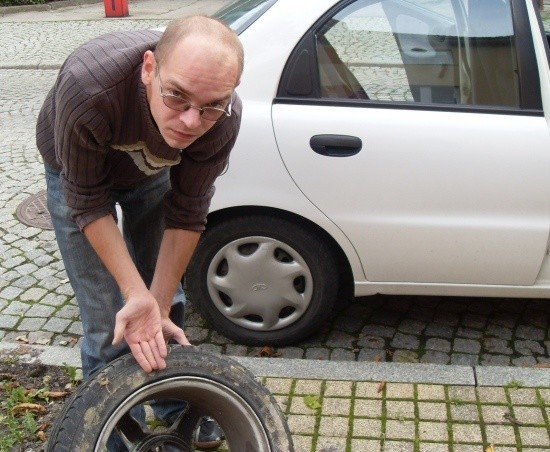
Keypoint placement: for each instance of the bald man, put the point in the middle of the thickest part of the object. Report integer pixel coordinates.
(145, 120)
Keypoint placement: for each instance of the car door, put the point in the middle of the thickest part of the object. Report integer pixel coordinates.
(417, 128)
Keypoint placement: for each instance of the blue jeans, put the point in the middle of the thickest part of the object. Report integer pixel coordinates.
(97, 293)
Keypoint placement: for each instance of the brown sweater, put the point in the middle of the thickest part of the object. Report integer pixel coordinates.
(95, 127)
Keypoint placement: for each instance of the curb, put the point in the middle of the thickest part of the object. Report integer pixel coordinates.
(439, 374)
(5, 10)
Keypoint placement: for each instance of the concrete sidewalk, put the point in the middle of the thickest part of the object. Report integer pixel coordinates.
(333, 403)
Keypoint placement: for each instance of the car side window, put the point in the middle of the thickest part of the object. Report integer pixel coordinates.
(444, 52)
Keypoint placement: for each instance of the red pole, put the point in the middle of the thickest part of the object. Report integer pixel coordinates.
(116, 8)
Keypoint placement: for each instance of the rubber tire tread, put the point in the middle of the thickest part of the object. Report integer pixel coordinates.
(98, 397)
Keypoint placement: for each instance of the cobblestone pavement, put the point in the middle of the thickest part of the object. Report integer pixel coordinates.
(37, 305)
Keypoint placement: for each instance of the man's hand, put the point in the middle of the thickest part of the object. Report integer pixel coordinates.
(171, 331)
(140, 324)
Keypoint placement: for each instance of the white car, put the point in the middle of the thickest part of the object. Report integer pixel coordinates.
(387, 146)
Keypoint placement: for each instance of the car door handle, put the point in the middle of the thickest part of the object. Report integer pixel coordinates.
(335, 145)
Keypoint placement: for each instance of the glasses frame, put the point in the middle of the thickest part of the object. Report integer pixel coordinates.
(186, 105)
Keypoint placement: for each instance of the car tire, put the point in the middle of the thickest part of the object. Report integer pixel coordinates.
(262, 280)
(212, 385)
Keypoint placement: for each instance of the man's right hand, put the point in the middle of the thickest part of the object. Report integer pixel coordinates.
(139, 323)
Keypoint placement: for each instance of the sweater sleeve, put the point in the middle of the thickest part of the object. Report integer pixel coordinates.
(81, 134)
(187, 203)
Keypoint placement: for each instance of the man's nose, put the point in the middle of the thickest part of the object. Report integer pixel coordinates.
(191, 117)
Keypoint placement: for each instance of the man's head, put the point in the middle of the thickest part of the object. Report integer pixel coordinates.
(199, 60)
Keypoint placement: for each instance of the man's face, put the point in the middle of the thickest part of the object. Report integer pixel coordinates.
(197, 72)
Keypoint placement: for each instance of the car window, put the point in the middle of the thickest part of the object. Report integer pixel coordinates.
(240, 14)
(425, 51)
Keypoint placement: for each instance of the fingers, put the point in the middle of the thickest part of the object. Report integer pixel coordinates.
(148, 355)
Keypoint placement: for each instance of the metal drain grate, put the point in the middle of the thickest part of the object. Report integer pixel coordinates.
(33, 211)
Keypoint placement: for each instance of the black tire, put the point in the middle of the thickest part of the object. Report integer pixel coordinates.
(212, 385)
(241, 280)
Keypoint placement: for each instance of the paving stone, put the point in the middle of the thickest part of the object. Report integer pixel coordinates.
(76, 328)
(528, 347)
(469, 333)
(492, 395)
(530, 332)
(278, 385)
(405, 356)
(439, 330)
(31, 324)
(494, 414)
(475, 321)
(464, 413)
(400, 409)
(235, 350)
(40, 337)
(499, 331)
(399, 391)
(16, 308)
(33, 294)
(371, 342)
(433, 431)
(307, 387)
(331, 444)
(430, 392)
(534, 436)
(317, 353)
(291, 352)
(298, 406)
(528, 415)
(433, 357)
(524, 361)
(372, 355)
(378, 330)
(339, 389)
(432, 411)
(466, 433)
(339, 339)
(494, 345)
(8, 321)
(463, 359)
(336, 406)
(522, 396)
(367, 427)
(437, 344)
(410, 326)
(11, 293)
(56, 325)
(405, 341)
(400, 429)
(495, 360)
(500, 434)
(302, 442)
(301, 424)
(368, 390)
(367, 408)
(466, 346)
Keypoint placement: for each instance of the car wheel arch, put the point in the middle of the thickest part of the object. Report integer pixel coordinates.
(346, 289)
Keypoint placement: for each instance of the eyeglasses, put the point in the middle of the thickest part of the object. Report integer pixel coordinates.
(179, 103)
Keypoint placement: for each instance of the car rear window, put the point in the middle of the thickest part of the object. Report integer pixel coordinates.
(240, 14)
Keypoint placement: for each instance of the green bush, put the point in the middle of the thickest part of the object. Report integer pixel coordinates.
(21, 2)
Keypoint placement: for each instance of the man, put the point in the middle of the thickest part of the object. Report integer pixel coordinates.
(147, 123)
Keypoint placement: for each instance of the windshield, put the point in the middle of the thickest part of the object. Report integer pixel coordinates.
(240, 14)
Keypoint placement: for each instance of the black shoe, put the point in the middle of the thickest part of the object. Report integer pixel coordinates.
(208, 435)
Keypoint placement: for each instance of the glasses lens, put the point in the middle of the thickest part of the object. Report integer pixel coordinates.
(176, 103)
(212, 114)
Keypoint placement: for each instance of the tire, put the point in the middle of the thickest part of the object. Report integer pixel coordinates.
(263, 280)
(212, 385)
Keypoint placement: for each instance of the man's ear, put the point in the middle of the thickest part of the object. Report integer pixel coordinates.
(148, 68)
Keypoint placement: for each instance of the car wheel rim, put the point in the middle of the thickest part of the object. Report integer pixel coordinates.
(241, 426)
(260, 283)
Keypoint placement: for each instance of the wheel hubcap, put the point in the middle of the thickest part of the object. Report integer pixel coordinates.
(260, 283)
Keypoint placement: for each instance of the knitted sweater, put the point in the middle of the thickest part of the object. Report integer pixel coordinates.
(96, 129)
